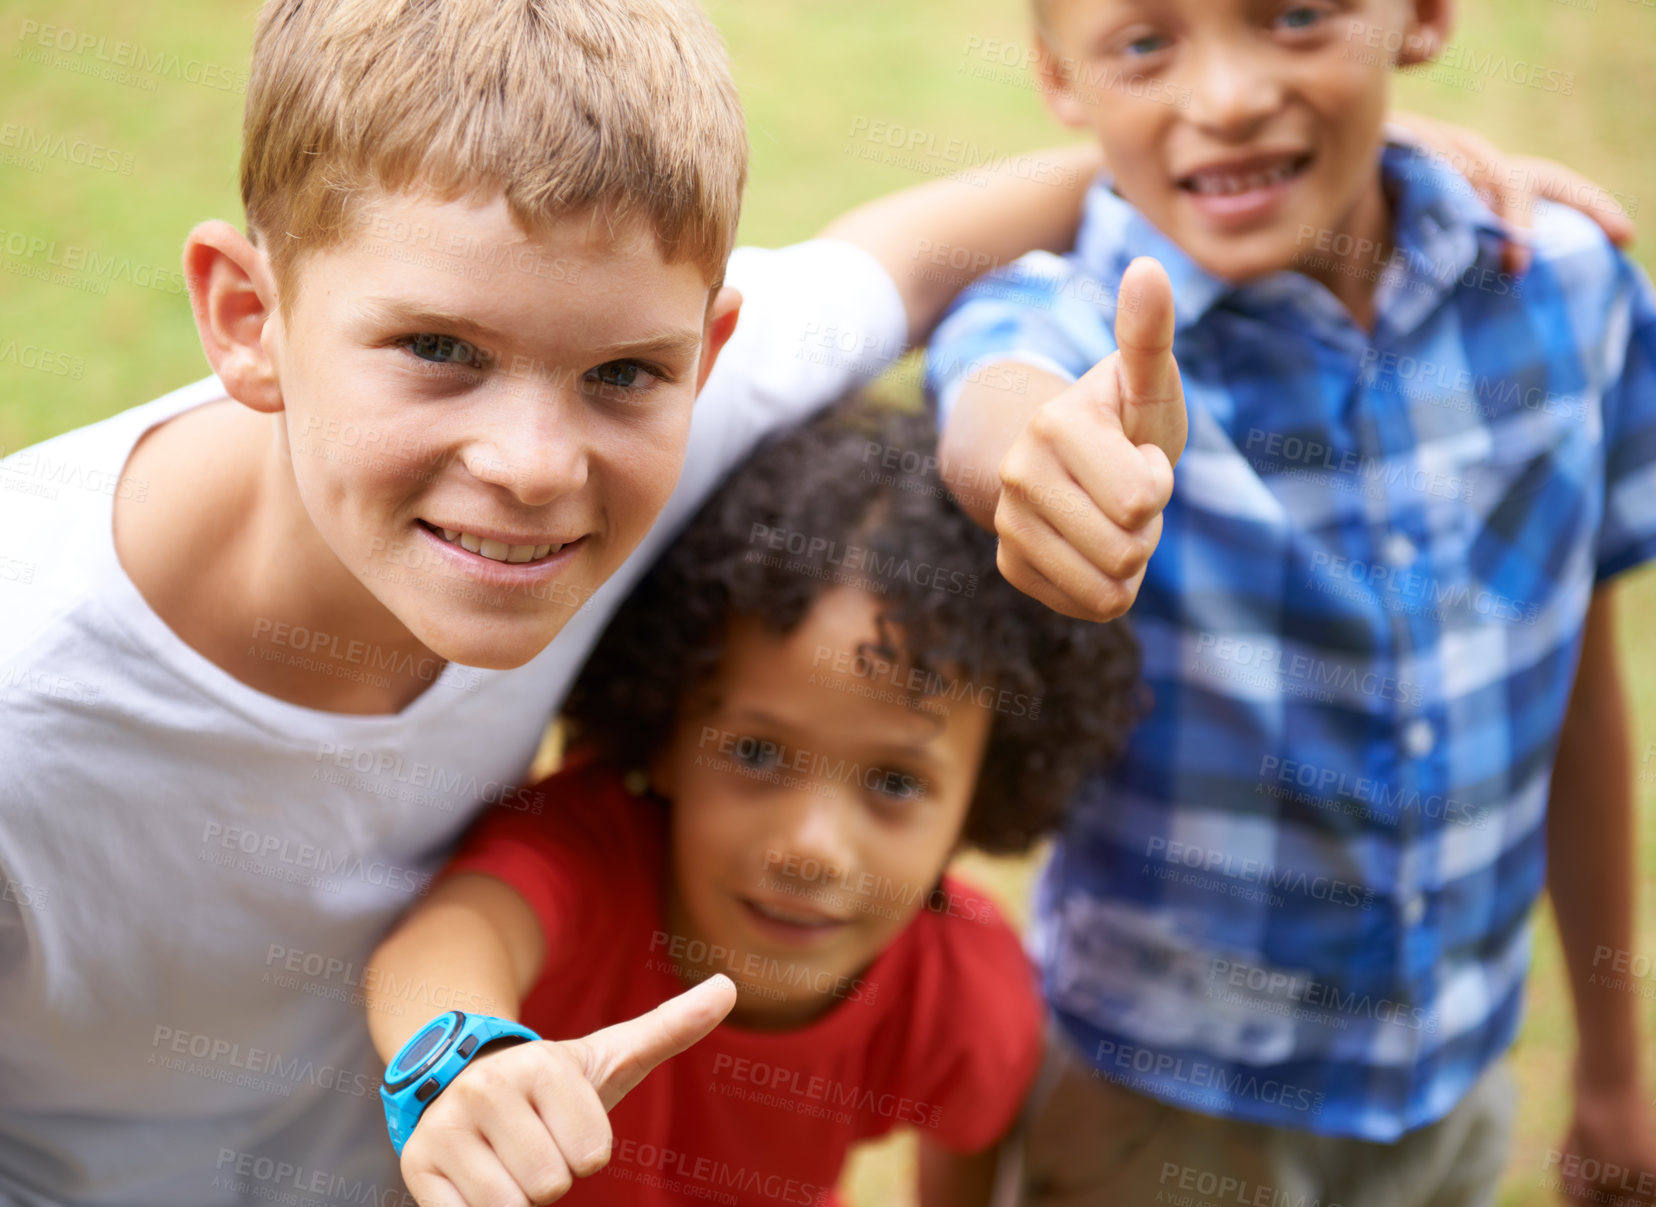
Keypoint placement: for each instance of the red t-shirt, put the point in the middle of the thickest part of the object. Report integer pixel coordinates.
(942, 1031)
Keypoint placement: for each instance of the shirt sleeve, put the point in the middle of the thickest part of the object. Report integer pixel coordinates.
(981, 1060)
(558, 862)
(1627, 536)
(1040, 311)
(818, 320)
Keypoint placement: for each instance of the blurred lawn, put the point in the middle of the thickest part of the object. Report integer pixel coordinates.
(810, 71)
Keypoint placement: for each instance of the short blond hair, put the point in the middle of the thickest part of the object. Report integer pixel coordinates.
(563, 106)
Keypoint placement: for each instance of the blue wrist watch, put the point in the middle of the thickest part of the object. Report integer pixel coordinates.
(424, 1066)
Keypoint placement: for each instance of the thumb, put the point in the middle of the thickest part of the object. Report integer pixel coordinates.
(1151, 395)
(617, 1058)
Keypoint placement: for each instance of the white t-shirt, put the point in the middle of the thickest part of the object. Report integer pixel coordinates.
(192, 873)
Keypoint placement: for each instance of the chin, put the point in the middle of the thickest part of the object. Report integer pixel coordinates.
(515, 646)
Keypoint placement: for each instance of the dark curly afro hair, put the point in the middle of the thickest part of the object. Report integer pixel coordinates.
(855, 495)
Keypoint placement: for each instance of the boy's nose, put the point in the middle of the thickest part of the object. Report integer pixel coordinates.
(534, 447)
(1231, 94)
(816, 828)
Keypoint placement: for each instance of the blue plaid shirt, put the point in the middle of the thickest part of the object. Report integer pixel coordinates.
(1303, 898)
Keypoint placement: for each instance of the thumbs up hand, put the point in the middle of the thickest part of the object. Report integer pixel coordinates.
(520, 1123)
(1084, 484)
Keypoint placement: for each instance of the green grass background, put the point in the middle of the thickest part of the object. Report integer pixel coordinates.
(808, 70)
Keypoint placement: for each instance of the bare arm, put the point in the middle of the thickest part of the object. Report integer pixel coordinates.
(1590, 877)
(936, 238)
(474, 937)
(948, 1179)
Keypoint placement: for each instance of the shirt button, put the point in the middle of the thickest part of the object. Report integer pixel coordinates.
(1400, 550)
(1418, 738)
(1414, 909)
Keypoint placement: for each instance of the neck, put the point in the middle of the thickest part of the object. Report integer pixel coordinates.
(1361, 248)
(229, 558)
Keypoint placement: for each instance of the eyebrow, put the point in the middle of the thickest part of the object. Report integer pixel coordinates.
(919, 752)
(392, 312)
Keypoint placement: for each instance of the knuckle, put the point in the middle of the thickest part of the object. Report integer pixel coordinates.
(549, 1184)
(593, 1160)
(1109, 600)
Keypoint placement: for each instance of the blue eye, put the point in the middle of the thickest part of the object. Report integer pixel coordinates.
(754, 753)
(1147, 45)
(1300, 18)
(446, 350)
(632, 376)
(618, 373)
(898, 787)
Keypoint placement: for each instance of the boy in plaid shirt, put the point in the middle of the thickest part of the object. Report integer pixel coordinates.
(1285, 938)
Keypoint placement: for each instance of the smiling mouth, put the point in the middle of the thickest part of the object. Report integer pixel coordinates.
(1236, 181)
(496, 551)
(787, 917)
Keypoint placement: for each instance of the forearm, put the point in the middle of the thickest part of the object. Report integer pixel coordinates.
(1590, 849)
(986, 419)
(949, 1179)
(935, 238)
(453, 948)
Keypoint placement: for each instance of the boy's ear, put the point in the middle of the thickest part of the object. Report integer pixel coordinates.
(232, 294)
(1057, 88)
(1427, 33)
(722, 314)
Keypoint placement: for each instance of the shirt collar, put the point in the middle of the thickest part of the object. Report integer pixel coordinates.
(1442, 229)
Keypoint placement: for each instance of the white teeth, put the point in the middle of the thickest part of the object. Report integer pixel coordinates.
(498, 551)
(1227, 184)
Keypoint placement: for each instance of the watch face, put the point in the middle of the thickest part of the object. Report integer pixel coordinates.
(413, 1056)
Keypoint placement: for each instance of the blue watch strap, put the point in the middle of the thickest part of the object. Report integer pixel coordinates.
(425, 1065)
